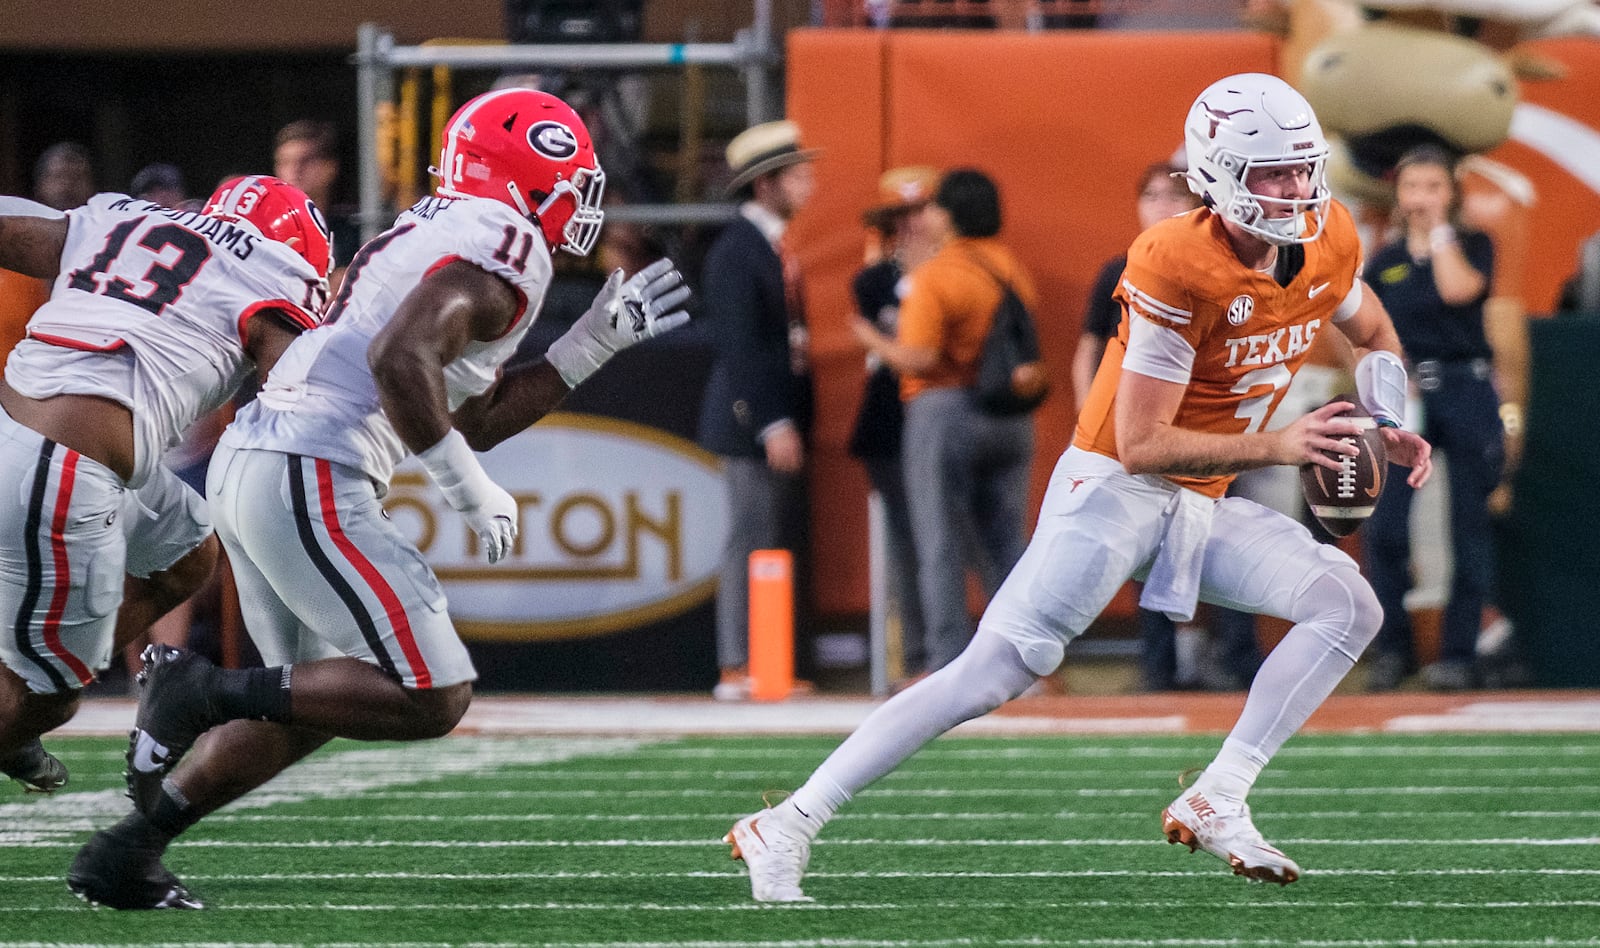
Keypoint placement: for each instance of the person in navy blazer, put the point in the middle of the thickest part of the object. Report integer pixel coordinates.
(757, 405)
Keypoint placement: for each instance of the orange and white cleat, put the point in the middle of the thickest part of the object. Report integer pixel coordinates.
(1225, 830)
(775, 852)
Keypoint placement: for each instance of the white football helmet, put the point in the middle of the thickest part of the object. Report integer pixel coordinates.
(1254, 120)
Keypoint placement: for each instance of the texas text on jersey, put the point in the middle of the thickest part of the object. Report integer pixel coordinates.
(1194, 315)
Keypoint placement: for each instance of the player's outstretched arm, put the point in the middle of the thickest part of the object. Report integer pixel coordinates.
(433, 324)
(520, 398)
(623, 313)
(32, 237)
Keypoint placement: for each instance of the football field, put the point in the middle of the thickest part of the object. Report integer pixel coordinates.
(1439, 840)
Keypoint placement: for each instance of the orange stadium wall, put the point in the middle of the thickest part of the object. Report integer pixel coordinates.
(1567, 207)
(1063, 121)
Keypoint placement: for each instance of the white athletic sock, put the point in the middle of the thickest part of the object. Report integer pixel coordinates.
(815, 803)
(988, 674)
(1233, 773)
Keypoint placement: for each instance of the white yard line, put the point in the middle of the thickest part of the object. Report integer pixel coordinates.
(893, 943)
(664, 715)
(62, 817)
(941, 793)
(975, 905)
(1034, 751)
(912, 772)
(1206, 871)
(693, 843)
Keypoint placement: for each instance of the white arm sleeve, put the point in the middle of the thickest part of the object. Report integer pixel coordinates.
(1350, 303)
(1381, 386)
(22, 207)
(1158, 352)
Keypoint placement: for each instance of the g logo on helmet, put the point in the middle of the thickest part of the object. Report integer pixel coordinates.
(1240, 309)
(553, 140)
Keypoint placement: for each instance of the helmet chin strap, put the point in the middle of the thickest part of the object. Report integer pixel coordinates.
(519, 200)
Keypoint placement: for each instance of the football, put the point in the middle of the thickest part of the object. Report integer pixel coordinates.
(1341, 500)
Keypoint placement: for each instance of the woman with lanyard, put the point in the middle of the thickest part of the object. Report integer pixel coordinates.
(1434, 278)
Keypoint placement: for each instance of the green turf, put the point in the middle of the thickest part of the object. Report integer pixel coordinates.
(1439, 841)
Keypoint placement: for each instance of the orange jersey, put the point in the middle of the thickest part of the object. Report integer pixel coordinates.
(1230, 334)
(19, 297)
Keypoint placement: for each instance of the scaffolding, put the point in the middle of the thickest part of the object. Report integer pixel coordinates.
(378, 58)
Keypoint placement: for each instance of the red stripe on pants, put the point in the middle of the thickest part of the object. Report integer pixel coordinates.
(391, 603)
(63, 571)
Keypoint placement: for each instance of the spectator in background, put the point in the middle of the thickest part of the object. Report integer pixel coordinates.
(307, 156)
(966, 471)
(903, 241)
(1581, 292)
(1162, 193)
(163, 184)
(757, 406)
(1434, 279)
(63, 177)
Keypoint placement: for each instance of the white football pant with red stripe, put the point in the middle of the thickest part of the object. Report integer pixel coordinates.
(322, 573)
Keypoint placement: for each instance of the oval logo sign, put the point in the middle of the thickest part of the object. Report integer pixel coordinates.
(621, 525)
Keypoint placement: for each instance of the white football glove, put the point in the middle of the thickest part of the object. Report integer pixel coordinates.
(488, 509)
(647, 305)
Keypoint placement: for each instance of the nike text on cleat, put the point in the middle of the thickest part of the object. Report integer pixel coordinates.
(116, 869)
(37, 770)
(1226, 831)
(174, 710)
(775, 854)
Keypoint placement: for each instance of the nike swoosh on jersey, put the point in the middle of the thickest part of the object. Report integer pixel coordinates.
(1311, 294)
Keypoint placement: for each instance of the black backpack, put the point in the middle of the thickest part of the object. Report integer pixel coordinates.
(1012, 344)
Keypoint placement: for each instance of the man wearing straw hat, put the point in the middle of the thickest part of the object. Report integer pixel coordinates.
(757, 406)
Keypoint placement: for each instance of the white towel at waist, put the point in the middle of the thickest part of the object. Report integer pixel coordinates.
(1173, 586)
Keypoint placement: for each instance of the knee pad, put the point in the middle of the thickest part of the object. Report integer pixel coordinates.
(1340, 604)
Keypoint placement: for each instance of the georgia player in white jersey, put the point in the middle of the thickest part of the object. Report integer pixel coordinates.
(155, 317)
(428, 313)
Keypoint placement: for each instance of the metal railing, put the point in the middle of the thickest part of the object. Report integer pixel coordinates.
(753, 53)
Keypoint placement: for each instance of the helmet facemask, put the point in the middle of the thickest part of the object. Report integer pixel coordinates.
(582, 228)
(1222, 177)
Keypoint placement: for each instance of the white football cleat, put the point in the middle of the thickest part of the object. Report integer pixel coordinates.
(1224, 830)
(775, 853)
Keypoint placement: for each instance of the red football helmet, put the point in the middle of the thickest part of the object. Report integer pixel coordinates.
(281, 211)
(530, 150)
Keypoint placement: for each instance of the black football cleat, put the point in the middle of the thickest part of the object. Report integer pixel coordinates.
(174, 710)
(121, 868)
(36, 769)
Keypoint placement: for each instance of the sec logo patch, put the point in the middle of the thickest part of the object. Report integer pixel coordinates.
(1240, 309)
